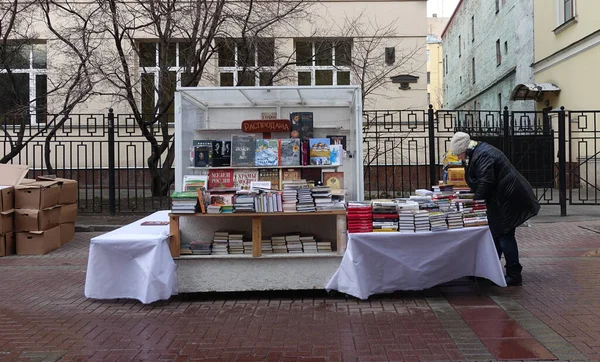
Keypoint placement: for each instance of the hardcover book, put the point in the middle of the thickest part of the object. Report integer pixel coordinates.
(267, 153)
(221, 153)
(243, 178)
(335, 180)
(271, 175)
(291, 174)
(312, 175)
(242, 150)
(220, 178)
(301, 125)
(202, 156)
(336, 155)
(304, 152)
(338, 140)
(319, 151)
(289, 149)
(221, 198)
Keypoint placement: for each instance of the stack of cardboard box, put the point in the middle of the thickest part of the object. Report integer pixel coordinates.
(37, 216)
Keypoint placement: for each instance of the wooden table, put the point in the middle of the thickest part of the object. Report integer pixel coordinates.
(340, 218)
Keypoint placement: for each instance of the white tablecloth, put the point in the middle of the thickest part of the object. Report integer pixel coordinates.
(385, 262)
(134, 262)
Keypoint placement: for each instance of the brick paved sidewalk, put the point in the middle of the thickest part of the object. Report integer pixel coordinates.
(555, 315)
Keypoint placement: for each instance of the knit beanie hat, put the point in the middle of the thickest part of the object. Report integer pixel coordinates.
(459, 143)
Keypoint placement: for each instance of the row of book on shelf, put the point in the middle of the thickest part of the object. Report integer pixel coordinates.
(296, 196)
(247, 151)
(234, 242)
(440, 209)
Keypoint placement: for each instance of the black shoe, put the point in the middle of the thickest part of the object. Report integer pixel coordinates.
(513, 281)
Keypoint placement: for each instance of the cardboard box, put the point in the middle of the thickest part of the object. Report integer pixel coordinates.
(69, 191)
(37, 220)
(12, 175)
(68, 213)
(7, 221)
(7, 198)
(67, 233)
(37, 195)
(7, 244)
(38, 242)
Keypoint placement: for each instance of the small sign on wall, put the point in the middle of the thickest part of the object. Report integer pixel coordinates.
(268, 115)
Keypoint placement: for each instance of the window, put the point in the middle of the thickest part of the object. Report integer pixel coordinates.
(428, 77)
(473, 69)
(498, 54)
(500, 101)
(246, 62)
(390, 55)
(505, 47)
(427, 55)
(23, 83)
(566, 11)
(460, 79)
(459, 46)
(163, 70)
(428, 98)
(446, 64)
(323, 62)
(497, 6)
(473, 28)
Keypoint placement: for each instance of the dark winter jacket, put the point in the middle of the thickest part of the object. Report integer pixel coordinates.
(509, 198)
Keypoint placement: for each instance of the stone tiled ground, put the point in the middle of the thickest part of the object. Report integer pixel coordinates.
(44, 315)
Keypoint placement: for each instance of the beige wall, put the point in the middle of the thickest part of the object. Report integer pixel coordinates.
(435, 68)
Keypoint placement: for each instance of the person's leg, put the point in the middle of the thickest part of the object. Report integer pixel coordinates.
(498, 246)
(508, 243)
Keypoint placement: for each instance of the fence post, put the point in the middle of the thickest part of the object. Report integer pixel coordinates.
(506, 130)
(562, 162)
(431, 125)
(112, 207)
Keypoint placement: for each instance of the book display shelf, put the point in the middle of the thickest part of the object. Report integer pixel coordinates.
(226, 115)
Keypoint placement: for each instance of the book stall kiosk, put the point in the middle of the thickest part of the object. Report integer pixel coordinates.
(217, 114)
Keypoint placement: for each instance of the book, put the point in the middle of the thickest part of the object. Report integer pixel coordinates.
(289, 152)
(221, 198)
(243, 178)
(312, 175)
(221, 153)
(242, 150)
(194, 182)
(202, 156)
(271, 175)
(335, 180)
(319, 152)
(336, 155)
(266, 152)
(301, 125)
(291, 174)
(154, 223)
(338, 140)
(220, 178)
(304, 152)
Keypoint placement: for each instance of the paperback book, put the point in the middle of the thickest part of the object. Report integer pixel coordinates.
(242, 150)
(319, 151)
(301, 125)
(289, 152)
(266, 153)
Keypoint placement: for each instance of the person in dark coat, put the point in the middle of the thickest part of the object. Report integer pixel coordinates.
(509, 198)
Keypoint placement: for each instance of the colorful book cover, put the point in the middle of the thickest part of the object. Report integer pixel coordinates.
(338, 140)
(243, 178)
(220, 178)
(202, 156)
(336, 155)
(304, 152)
(301, 125)
(289, 149)
(319, 151)
(267, 153)
(271, 175)
(221, 198)
(194, 182)
(242, 150)
(335, 180)
(291, 174)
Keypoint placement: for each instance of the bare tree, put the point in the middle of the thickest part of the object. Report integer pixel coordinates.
(196, 27)
(67, 86)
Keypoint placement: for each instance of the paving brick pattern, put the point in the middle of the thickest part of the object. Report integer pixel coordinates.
(44, 315)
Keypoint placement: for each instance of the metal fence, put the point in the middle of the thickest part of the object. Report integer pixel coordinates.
(556, 151)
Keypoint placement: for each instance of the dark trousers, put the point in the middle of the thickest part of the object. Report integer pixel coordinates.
(507, 244)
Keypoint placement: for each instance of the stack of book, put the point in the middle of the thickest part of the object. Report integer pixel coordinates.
(475, 218)
(455, 220)
(406, 221)
(247, 247)
(185, 202)
(306, 202)
(200, 247)
(324, 247)
(226, 209)
(243, 202)
(279, 246)
(385, 215)
(220, 243)
(338, 197)
(309, 244)
(437, 220)
(360, 217)
(322, 196)
(421, 221)
(293, 243)
(290, 194)
(266, 247)
(213, 209)
(185, 249)
(236, 243)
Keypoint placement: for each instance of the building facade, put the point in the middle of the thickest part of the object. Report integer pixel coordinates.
(435, 63)
(487, 52)
(567, 52)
